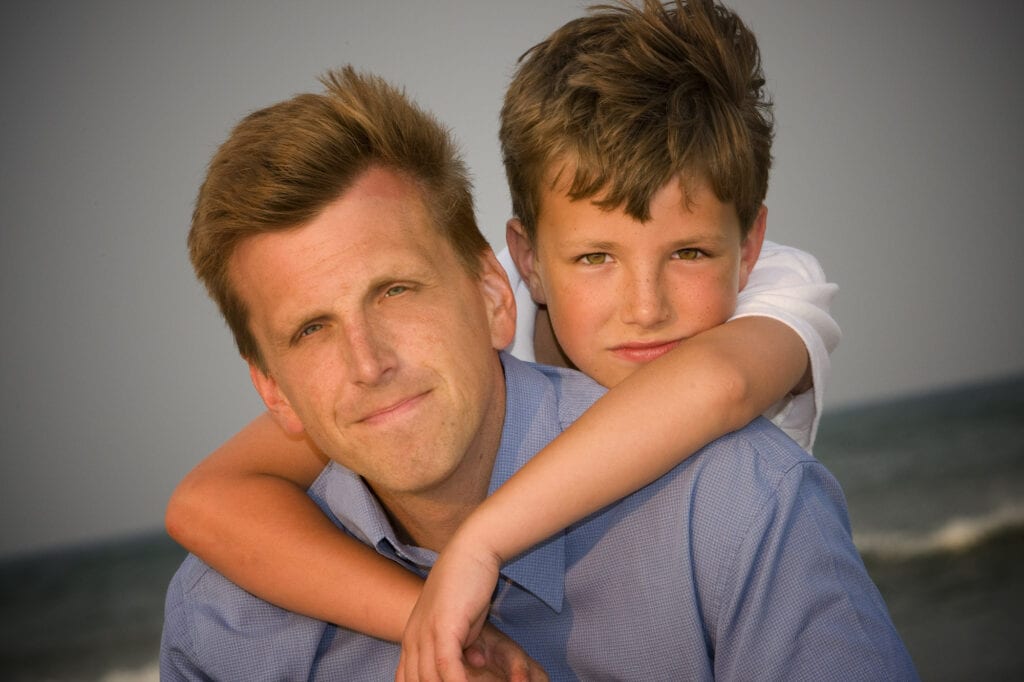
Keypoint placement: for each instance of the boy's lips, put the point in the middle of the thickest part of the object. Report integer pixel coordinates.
(644, 352)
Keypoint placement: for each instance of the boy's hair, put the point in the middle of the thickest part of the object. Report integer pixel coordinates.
(284, 164)
(626, 98)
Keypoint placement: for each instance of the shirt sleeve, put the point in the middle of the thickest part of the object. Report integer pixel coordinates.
(798, 603)
(215, 630)
(177, 655)
(788, 285)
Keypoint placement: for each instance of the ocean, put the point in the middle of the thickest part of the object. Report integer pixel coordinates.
(935, 486)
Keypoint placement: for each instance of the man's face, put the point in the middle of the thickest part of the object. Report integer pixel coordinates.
(621, 293)
(377, 341)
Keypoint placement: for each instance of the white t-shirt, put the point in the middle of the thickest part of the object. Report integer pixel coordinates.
(786, 284)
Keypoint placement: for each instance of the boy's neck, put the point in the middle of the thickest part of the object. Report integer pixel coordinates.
(545, 346)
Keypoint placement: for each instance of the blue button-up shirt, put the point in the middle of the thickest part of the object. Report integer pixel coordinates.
(737, 564)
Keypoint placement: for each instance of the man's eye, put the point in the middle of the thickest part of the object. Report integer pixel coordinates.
(395, 290)
(688, 254)
(310, 329)
(593, 258)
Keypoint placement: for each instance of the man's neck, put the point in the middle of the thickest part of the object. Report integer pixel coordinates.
(429, 518)
(427, 523)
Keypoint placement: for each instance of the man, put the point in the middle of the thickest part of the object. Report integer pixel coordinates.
(336, 234)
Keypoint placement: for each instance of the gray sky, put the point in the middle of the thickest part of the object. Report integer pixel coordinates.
(898, 163)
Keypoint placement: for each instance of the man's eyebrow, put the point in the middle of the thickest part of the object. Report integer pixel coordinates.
(282, 333)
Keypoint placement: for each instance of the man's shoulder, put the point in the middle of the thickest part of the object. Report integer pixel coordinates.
(190, 575)
(752, 469)
(197, 591)
(217, 627)
(568, 391)
(763, 444)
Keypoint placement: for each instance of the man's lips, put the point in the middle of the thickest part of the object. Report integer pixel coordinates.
(644, 352)
(396, 408)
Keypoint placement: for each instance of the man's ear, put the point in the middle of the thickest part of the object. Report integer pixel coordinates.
(750, 249)
(275, 400)
(499, 300)
(523, 253)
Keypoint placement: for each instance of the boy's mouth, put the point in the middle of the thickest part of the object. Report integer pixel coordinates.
(644, 352)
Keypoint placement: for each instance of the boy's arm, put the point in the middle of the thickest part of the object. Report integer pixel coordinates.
(713, 383)
(244, 511)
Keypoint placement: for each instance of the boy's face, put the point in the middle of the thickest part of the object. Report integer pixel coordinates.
(621, 293)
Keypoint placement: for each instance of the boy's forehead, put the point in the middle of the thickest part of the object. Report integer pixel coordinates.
(681, 192)
(562, 172)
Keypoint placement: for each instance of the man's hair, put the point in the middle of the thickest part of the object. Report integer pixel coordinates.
(620, 101)
(282, 165)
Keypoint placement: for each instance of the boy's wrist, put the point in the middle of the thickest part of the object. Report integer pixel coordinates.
(473, 540)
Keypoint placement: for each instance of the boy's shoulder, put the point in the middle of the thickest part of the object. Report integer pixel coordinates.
(779, 265)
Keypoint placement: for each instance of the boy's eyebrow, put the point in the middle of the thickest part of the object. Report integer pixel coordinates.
(712, 235)
(596, 245)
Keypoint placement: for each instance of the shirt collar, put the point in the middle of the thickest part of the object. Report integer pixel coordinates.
(531, 421)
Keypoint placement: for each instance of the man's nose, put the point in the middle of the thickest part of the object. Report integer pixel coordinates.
(368, 352)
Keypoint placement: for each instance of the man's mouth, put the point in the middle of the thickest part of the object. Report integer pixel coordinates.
(394, 409)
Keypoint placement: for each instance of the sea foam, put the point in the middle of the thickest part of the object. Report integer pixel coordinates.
(956, 535)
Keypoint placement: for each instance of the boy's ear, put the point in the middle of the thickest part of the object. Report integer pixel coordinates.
(750, 249)
(521, 248)
(275, 400)
(499, 300)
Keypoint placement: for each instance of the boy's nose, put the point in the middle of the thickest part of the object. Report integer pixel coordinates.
(645, 302)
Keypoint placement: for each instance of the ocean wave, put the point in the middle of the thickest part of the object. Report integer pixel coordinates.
(957, 535)
(148, 673)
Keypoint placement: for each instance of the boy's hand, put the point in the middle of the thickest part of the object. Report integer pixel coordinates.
(447, 635)
(493, 657)
(501, 659)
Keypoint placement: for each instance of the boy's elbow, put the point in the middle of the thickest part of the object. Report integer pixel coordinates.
(730, 395)
(181, 518)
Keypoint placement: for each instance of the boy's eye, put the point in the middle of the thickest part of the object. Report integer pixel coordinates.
(593, 258)
(395, 290)
(688, 254)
